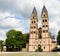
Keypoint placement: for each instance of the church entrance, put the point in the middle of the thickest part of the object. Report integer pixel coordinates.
(39, 48)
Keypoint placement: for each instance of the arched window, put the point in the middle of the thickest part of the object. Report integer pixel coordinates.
(43, 20)
(34, 21)
(39, 31)
(34, 27)
(43, 26)
(43, 30)
(34, 32)
(46, 30)
(44, 47)
(33, 17)
(33, 47)
(44, 15)
(31, 27)
(46, 20)
(46, 25)
(40, 37)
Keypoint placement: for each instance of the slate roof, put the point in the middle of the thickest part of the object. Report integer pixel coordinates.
(44, 10)
(34, 11)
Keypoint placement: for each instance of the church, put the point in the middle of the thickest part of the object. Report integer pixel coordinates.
(40, 38)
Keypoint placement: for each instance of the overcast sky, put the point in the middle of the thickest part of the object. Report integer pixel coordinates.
(15, 14)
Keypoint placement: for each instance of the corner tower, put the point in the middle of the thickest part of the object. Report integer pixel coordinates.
(33, 31)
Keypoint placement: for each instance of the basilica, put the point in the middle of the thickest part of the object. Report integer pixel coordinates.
(40, 38)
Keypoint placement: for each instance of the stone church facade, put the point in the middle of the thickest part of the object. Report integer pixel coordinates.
(40, 37)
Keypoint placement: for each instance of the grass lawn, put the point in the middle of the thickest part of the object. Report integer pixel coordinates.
(30, 54)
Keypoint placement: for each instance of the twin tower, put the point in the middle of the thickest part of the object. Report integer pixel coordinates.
(40, 38)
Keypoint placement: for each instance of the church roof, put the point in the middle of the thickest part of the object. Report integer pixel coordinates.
(40, 28)
(44, 10)
(34, 11)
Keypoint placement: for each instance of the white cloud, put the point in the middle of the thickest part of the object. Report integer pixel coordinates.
(10, 22)
(2, 34)
(7, 22)
(23, 8)
(5, 14)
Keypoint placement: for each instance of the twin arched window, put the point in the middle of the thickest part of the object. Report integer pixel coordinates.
(33, 21)
(45, 20)
(45, 26)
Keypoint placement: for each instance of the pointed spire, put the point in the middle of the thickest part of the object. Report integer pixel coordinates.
(44, 10)
(34, 11)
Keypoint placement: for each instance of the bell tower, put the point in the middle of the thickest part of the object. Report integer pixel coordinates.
(45, 23)
(45, 30)
(33, 31)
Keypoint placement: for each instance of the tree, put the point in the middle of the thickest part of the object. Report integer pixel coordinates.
(27, 37)
(10, 38)
(15, 39)
(1, 44)
(58, 38)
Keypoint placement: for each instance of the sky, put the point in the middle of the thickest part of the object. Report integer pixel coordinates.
(15, 14)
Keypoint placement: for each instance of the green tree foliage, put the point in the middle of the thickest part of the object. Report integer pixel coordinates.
(58, 38)
(15, 39)
(1, 43)
(27, 37)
